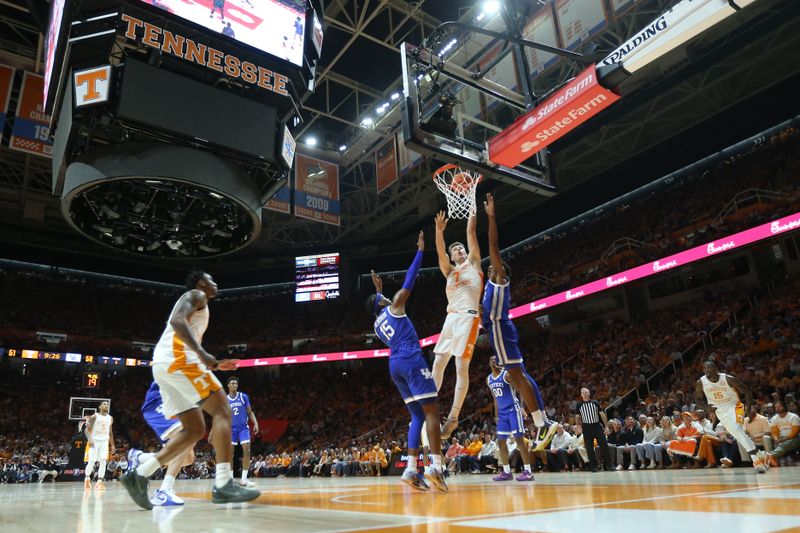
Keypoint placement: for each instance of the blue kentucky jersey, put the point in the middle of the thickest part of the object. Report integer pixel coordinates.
(239, 405)
(152, 400)
(502, 392)
(398, 333)
(496, 302)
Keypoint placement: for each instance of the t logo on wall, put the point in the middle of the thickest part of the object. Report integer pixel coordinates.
(92, 85)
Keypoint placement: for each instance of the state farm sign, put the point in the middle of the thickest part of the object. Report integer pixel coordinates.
(571, 106)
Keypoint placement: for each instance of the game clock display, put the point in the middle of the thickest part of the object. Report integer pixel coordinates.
(91, 380)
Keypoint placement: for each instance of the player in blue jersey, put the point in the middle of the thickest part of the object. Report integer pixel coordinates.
(410, 373)
(153, 411)
(502, 332)
(508, 417)
(240, 433)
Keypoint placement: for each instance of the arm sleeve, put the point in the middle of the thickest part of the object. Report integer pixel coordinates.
(411, 275)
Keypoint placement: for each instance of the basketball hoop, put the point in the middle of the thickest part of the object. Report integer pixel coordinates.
(458, 186)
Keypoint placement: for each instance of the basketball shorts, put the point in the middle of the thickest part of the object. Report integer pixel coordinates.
(240, 435)
(184, 382)
(413, 378)
(97, 451)
(505, 343)
(510, 424)
(458, 335)
(163, 426)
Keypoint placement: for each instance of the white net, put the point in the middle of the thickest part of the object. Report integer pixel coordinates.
(458, 186)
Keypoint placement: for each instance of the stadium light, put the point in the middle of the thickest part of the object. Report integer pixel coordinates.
(395, 96)
(367, 121)
(311, 141)
(342, 148)
(490, 7)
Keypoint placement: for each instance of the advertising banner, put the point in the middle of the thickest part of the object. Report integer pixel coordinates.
(575, 103)
(31, 131)
(386, 164)
(316, 190)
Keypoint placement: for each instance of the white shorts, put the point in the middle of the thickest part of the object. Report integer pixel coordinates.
(458, 335)
(184, 383)
(97, 451)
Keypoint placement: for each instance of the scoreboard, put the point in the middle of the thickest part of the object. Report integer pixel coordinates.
(316, 277)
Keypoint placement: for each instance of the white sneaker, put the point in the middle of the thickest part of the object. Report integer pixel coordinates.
(619, 468)
(632, 467)
(651, 466)
(246, 483)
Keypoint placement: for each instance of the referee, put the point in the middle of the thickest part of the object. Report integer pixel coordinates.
(589, 416)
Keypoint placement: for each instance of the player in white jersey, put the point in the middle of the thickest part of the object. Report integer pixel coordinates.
(460, 330)
(99, 437)
(182, 370)
(721, 392)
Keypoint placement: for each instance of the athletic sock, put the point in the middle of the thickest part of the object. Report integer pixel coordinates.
(411, 469)
(507, 469)
(144, 457)
(528, 468)
(437, 462)
(149, 467)
(244, 474)
(169, 483)
(224, 475)
(538, 419)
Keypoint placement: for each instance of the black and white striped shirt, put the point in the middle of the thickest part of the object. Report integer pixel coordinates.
(589, 411)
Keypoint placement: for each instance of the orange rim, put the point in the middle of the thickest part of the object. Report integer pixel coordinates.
(450, 166)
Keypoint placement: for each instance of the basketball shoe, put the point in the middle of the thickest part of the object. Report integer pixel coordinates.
(503, 476)
(436, 479)
(414, 480)
(162, 498)
(233, 493)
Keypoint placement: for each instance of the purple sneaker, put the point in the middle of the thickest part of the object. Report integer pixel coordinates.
(525, 476)
(503, 476)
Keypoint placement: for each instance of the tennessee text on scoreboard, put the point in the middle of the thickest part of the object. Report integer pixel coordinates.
(386, 164)
(316, 190)
(6, 79)
(31, 131)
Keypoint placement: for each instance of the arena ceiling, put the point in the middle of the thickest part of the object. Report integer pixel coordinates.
(717, 94)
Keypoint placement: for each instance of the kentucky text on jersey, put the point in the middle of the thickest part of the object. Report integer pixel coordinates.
(506, 399)
(398, 333)
(239, 405)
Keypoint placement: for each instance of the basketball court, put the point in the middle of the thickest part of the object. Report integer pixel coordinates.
(625, 502)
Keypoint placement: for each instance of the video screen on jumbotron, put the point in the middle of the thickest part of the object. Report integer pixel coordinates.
(275, 26)
(317, 277)
(51, 42)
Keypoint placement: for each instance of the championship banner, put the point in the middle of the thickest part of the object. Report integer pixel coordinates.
(281, 201)
(316, 190)
(386, 164)
(31, 131)
(579, 20)
(6, 79)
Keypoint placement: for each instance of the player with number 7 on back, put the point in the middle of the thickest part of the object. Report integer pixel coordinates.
(410, 373)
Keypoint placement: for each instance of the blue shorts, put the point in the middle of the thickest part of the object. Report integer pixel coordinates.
(163, 426)
(510, 424)
(505, 343)
(240, 435)
(413, 378)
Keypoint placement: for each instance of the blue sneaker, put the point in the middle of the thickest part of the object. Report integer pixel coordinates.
(162, 498)
(133, 459)
(414, 480)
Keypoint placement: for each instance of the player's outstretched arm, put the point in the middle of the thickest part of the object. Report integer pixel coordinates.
(498, 272)
(399, 301)
(441, 247)
(700, 397)
(472, 241)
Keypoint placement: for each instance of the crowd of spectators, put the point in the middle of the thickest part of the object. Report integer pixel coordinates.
(345, 419)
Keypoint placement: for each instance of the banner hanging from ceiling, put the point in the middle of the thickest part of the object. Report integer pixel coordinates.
(316, 190)
(386, 164)
(31, 130)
